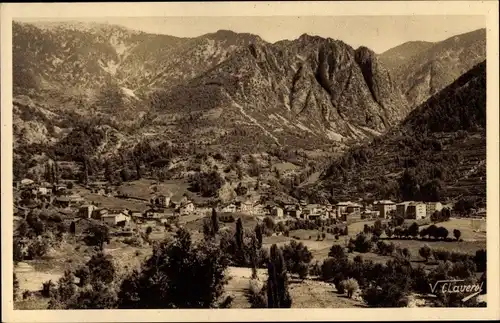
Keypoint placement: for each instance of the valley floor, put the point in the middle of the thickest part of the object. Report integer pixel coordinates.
(308, 293)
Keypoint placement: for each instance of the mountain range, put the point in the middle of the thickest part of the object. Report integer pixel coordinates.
(222, 91)
(310, 90)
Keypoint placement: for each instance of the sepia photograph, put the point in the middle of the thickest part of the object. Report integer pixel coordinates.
(253, 162)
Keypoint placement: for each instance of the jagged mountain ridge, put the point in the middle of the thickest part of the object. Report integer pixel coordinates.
(308, 91)
(434, 67)
(215, 89)
(314, 87)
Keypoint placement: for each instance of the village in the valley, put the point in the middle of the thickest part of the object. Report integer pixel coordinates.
(138, 213)
(165, 208)
(226, 170)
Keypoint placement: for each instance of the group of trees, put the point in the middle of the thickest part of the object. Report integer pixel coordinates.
(207, 184)
(36, 234)
(389, 285)
(178, 274)
(419, 188)
(464, 206)
(440, 254)
(161, 282)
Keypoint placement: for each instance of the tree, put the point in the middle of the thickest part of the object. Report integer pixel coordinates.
(351, 286)
(377, 232)
(207, 184)
(258, 235)
(238, 238)
(423, 233)
(97, 235)
(38, 248)
(241, 190)
(425, 252)
(337, 252)
(64, 292)
(277, 282)
(48, 289)
(362, 243)
(177, 275)
(480, 260)
(17, 250)
(269, 223)
(388, 295)
(96, 296)
(86, 162)
(431, 191)
(109, 172)
(207, 229)
(442, 232)
(149, 229)
(137, 164)
(101, 268)
(432, 231)
(125, 175)
(215, 222)
(413, 230)
(457, 234)
(408, 185)
(445, 214)
(296, 256)
(405, 252)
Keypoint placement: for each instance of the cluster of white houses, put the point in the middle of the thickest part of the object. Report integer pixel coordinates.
(166, 207)
(341, 210)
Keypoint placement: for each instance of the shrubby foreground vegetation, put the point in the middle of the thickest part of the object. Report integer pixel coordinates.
(183, 274)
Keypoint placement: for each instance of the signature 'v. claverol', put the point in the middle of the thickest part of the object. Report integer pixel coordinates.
(457, 286)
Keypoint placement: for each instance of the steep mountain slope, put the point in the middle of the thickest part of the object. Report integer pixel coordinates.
(303, 92)
(438, 152)
(426, 73)
(86, 56)
(401, 54)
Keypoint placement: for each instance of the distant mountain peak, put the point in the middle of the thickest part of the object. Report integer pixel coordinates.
(424, 68)
(231, 36)
(307, 37)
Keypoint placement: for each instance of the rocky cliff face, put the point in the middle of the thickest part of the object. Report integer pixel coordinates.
(316, 88)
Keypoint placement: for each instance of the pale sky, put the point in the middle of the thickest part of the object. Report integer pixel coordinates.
(376, 32)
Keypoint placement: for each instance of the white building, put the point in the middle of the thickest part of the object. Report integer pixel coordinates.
(416, 211)
(385, 207)
(432, 207)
